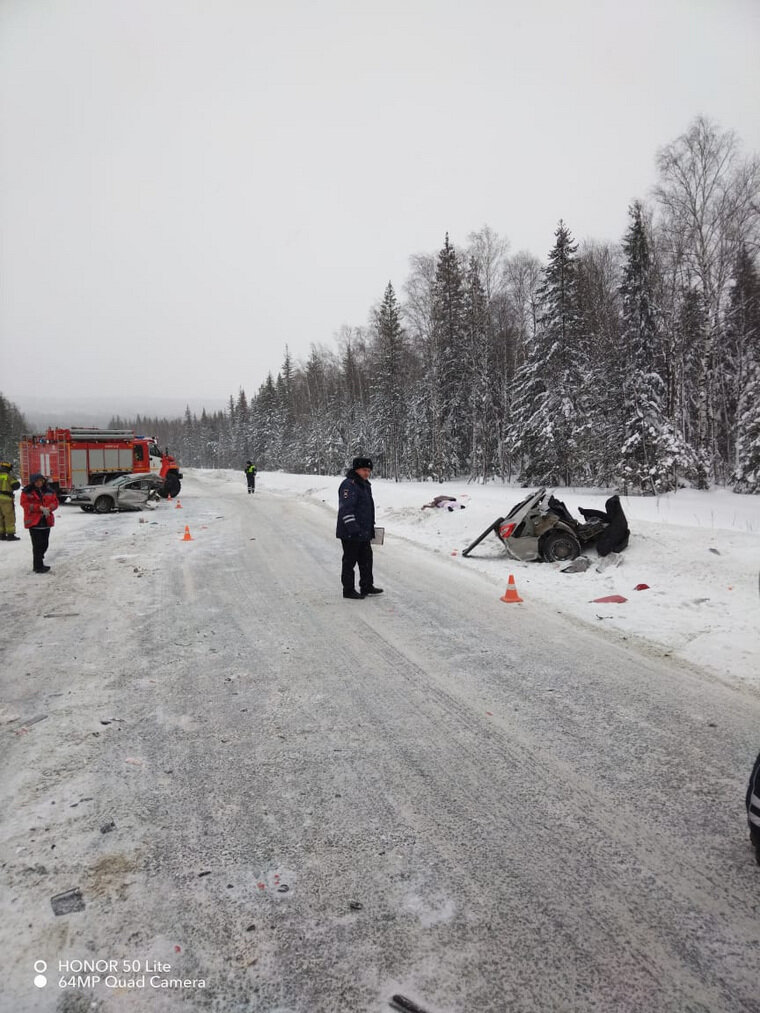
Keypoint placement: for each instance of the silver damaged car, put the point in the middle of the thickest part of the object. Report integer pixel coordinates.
(128, 492)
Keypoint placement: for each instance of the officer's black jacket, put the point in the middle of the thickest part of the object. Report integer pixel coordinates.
(356, 509)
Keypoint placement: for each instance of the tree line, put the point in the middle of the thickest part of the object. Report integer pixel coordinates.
(13, 426)
(634, 365)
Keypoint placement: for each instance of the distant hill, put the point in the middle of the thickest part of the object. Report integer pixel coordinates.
(41, 412)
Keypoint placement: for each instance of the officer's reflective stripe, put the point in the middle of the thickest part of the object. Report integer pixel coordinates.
(754, 810)
(349, 517)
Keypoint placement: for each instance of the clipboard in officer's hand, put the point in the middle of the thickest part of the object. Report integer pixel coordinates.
(379, 537)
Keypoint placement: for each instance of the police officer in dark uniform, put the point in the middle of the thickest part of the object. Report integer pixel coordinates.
(356, 528)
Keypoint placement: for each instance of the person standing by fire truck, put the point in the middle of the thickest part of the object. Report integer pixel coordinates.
(40, 503)
(8, 485)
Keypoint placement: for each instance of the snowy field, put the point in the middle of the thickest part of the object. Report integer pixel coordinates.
(699, 552)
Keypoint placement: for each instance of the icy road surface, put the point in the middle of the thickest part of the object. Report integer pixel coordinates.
(294, 803)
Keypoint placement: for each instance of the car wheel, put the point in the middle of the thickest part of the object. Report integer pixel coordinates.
(103, 504)
(560, 547)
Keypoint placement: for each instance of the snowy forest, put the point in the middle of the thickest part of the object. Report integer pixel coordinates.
(633, 365)
(13, 426)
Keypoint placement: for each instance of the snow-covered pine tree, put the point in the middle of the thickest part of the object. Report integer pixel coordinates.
(388, 383)
(312, 421)
(743, 339)
(649, 440)
(242, 433)
(747, 473)
(352, 395)
(691, 378)
(264, 425)
(597, 284)
(13, 426)
(419, 427)
(549, 424)
(291, 453)
(479, 408)
(447, 383)
(190, 438)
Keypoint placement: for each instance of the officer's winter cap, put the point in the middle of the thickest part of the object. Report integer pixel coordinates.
(362, 462)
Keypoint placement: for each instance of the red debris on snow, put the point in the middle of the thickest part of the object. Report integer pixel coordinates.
(611, 598)
(641, 587)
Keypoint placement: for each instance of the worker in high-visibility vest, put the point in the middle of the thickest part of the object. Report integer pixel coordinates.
(250, 474)
(8, 485)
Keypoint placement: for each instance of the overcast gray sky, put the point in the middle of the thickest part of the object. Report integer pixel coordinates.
(186, 186)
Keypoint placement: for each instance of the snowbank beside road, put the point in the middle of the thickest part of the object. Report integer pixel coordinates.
(699, 552)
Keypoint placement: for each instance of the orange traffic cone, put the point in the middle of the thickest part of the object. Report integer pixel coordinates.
(187, 536)
(178, 506)
(511, 593)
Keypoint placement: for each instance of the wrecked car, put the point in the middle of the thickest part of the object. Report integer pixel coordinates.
(542, 528)
(127, 492)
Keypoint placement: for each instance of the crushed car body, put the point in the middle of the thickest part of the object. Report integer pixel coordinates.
(542, 528)
(128, 492)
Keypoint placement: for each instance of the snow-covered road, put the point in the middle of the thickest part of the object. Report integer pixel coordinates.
(318, 804)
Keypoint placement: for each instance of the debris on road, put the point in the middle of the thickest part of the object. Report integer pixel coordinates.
(68, 902)
(34, 720)
(26, 725)
(401, 1002)
(578, 565)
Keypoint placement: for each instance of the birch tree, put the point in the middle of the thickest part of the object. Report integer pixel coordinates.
(708, 196)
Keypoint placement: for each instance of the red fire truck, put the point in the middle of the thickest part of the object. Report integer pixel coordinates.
(72, 458)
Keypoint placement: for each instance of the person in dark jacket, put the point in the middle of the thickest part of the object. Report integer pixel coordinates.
(40, 503)
(753, 808)
(250, 475)
(356, 528)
